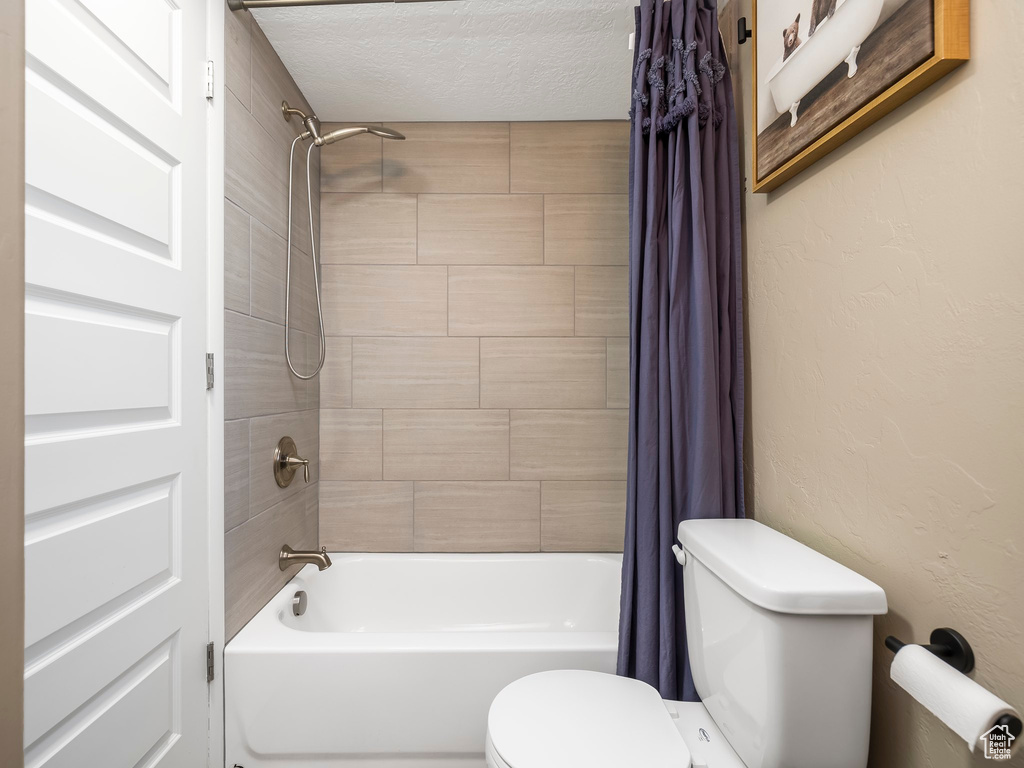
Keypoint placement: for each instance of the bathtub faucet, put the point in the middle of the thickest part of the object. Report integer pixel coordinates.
(290, 557)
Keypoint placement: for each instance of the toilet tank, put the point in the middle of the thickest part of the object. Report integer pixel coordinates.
(779, 639)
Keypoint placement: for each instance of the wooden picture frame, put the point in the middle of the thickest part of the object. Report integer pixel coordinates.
(783, 158)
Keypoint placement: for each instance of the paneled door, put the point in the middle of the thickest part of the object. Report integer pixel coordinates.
(116, 550)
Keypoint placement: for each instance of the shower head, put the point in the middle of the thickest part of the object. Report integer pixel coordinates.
(345, 133)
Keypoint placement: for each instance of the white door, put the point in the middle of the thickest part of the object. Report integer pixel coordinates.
(116, 510)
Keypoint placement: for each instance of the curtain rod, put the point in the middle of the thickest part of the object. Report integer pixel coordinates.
(243, 5)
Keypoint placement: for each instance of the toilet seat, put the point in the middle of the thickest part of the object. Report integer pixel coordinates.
(579, 718)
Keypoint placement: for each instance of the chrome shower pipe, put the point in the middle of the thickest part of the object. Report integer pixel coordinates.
(243, 5)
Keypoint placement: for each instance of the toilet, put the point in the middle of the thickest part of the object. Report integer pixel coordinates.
(780, 642)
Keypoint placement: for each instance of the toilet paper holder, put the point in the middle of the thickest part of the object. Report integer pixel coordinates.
(953, 648)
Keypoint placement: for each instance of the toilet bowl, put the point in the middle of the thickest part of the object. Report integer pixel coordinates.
(577, 718)
(779, 638)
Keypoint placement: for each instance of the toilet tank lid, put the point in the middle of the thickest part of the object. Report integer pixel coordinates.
(778, 573)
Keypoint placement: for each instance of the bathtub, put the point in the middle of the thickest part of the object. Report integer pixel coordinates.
(834, 41)
(397, 657)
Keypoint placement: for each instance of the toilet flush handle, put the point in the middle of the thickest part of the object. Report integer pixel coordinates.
(680, 554)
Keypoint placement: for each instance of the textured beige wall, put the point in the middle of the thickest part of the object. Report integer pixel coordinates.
(475, 294)
(262, 401)
(12, 376)
(886, 343)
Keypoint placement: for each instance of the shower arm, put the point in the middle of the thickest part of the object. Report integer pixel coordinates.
(244, 5)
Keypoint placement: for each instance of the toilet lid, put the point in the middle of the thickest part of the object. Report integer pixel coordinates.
(578, 718)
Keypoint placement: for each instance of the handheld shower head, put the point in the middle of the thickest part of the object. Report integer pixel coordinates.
(345, 133)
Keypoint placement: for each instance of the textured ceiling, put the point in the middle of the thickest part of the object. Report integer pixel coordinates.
(467, 60)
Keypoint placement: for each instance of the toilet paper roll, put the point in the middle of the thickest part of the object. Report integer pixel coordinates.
(967, 708)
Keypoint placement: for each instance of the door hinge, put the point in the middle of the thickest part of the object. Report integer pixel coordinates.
(209, 370)
(209, 79)
(209, 662)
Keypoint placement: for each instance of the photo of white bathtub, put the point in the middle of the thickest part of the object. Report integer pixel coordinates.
(819, 63)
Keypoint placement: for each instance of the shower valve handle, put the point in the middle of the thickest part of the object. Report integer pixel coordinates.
(295, 461)
(287, 461)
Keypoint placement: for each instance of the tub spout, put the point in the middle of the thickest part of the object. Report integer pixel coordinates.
(290, 557)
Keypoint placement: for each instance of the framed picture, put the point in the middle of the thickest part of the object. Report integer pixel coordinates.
(824, 70)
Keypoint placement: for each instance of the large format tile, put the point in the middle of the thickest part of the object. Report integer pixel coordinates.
(351, 444)
(570, 157)
(272, 84)
(352, 165)
(415, 373)
(236, 258)
(445, 445)
(618, 373)
(385, 300)
(237, 56)
(568, 445)
(481, 229)
(510, 301)
(542, 373)
(582, 516)
(586, 229)
(264, 434)
(366, 517)
(602, 301)
(251, 574)
(256, 378)
(368, 229)
(236, 473)
(447, 157)
(477, 517)
(336, 376)
(255, 176)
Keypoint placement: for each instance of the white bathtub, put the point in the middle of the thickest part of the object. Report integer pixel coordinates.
(397, 658)
(834, 41)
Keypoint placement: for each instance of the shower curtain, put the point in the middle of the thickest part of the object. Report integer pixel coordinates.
(686, 337)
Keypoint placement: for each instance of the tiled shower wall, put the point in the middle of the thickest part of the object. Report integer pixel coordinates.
(262, 401)
(475, 286)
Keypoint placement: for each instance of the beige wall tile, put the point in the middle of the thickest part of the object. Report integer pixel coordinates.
(477, 517)
(264, 434)
(542, 373)
(582, 516)
(236, 473)
(336, 376)
(481, 229)
(251, 573)
(236, 258)
(385, 300)
(447, 157)
(366, 517)
(256, 378)
(510, 301)
(618, 373)
(602, 301)
(353, 165)
(253, 178)
(445, 445)
(267, 272)
(584, 157)
(272, 84)
(415, 373)
(368, 229)
(236, 54)
(586, 229)
(351, 444)
(568, 445)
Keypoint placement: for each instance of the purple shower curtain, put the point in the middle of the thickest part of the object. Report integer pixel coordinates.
(686, 337)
